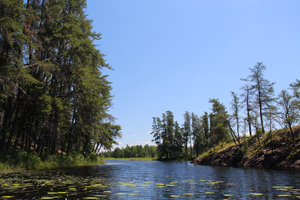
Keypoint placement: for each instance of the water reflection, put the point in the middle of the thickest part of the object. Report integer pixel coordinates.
(151, 180)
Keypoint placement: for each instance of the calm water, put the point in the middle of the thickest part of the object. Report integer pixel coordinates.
(151, 180)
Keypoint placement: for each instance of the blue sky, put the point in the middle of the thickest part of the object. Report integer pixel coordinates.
(176, 55)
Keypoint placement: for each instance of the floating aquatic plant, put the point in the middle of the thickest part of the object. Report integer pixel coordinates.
(284, 195)
(46, 198)
(120, 193)
(256, 194)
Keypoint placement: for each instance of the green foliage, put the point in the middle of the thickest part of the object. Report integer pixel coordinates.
(53, 95)
(245, 146)
(30, 160)
(137, 151)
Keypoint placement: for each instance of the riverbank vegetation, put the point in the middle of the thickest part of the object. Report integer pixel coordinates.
(133, 159)
(276, 150)
(256, 114)
(135, 152)
(53, 95)
(17, 160)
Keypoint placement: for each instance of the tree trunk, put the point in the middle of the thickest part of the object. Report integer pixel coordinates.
(290, 126)
(6, 122)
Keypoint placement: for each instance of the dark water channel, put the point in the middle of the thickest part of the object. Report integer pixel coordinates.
(151, 180)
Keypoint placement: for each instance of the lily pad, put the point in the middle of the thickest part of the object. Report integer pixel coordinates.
(52, 193)
(284, 195)
(256, 194)
(46, 198)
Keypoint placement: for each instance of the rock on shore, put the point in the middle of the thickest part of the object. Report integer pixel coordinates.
(277, 153)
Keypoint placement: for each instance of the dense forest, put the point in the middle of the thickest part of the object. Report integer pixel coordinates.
(254, 111)
(137, 151)
(53, 95)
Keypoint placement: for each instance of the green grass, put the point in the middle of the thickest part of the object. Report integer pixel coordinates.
(18, 160)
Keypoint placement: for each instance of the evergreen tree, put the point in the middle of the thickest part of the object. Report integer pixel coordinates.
(247, 101)
(235, 107)
(290, 111)
(296, 88)
(262, 87)
(178, 139)
(54, 95)
(170, 133)
(186, 130)
(205, 126)
(198, 134)
(219, 123)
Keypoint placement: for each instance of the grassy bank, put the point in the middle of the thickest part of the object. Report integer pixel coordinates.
(19, 160)
(140, 159)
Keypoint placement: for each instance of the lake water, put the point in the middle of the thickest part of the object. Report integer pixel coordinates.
(151, 180)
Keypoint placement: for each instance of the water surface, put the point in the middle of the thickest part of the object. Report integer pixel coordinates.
(151, 180)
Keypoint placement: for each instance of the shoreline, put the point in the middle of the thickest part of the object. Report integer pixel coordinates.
(276, 152)
(132, 159)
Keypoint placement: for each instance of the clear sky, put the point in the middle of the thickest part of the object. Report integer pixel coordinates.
(177, 54)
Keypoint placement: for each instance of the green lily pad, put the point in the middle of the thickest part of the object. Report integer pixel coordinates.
(169, 185)
(52, 193)
(62, 192)
(256, 194)
(284, 195)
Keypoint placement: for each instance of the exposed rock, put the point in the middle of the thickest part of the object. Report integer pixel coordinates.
(275, 154)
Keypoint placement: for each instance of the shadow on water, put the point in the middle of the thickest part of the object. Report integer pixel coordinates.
(119, 179)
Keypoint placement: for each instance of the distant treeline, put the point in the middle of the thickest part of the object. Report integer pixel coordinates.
(131, 152)
(261, 110)
(53, 95)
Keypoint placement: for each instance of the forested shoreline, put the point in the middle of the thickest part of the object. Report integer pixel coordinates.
(54, 97)
(255, 112)
(134, 151)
